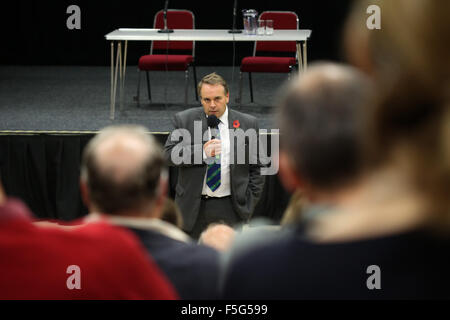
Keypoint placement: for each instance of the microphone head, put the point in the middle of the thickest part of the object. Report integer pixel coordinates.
(213, 121)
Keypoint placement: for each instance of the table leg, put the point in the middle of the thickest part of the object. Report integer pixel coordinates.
(124, 70)
(299, 58)
(305, 55)
(115, 83)
(111, 107)
(120, 76)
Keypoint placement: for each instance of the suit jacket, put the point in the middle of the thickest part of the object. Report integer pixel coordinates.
(246, 181)
(193, 269)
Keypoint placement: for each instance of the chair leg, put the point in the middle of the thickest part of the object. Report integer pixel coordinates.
(195, 82)
(148, 86)
(251, 86)
(186, 75)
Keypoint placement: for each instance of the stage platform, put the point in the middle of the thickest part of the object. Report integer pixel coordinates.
(77, 98)
(48, 114)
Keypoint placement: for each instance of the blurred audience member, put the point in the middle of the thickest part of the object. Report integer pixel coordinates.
(218, 236)
(407, 129)
(328, 159)
(97, 261)
(320, 163)
(123, 179)
(389, 240)
(323, 142)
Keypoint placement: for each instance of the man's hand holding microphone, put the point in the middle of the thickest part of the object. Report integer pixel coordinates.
(213, 147)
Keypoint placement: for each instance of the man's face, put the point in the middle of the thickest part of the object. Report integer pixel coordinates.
(213, 99)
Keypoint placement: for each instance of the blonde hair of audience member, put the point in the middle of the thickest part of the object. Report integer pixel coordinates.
(171, 213)
(2, 194)
(218, 236)
(293, 212)
(408, 126)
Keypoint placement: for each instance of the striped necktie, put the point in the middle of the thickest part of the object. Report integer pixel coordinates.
(213, 172)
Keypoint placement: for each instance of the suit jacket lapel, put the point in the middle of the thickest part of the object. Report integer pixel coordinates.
(201, 116)
(231, 118)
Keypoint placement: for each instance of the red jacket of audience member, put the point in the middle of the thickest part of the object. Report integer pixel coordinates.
(34, 261)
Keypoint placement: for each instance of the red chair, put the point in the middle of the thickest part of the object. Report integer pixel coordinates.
(272, 64)
(185, 50)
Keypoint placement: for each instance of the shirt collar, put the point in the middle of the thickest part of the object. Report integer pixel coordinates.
(224, 117)
(153, 224)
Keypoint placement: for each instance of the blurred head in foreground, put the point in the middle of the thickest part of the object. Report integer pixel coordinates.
(407, 128)
(122, 173)
(320, 132)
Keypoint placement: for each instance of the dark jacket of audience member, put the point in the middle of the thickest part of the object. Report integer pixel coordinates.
(380, 239)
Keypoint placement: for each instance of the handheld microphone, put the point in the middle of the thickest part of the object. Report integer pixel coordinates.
(165, 30)
(233, 30)
(213, 123)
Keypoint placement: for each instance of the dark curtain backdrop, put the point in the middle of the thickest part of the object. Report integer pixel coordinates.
(43, 170)
(35, 32)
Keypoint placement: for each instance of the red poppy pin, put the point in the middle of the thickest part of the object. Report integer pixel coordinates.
(236, 124)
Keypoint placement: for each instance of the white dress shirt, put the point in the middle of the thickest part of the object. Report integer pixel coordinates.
(225, 188)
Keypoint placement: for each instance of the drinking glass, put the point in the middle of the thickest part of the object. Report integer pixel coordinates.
(261, 27)
(269, 27)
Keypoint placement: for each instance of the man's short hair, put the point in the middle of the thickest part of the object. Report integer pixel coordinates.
(212, 79)
(319, 123)
(138, 186)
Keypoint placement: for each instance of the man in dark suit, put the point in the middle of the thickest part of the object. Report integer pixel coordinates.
(123, 180)
(219, 178)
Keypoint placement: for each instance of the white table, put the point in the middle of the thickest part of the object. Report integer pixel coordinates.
(124, 34)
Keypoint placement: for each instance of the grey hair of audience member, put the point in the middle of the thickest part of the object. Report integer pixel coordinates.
(128, 180)
(318, 121)
(171, 213)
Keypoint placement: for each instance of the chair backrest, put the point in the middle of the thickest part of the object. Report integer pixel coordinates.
(176, 19)
(281, 20)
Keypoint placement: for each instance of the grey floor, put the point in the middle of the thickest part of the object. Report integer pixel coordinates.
(56, 98)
